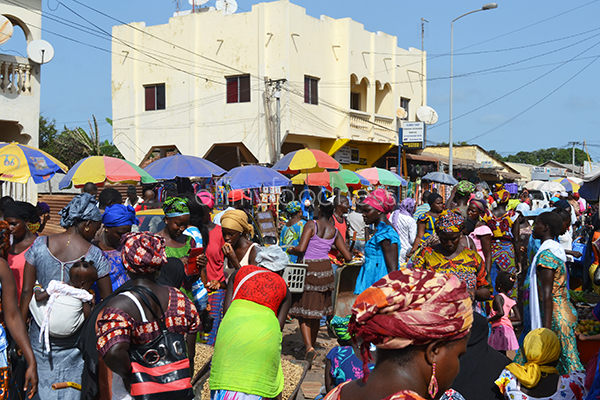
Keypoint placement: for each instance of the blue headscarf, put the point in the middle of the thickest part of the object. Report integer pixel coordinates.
(119, 215)
(82, 208)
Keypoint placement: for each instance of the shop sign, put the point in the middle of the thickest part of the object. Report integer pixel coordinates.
(549, 171)
(347, 155)
(413, 135)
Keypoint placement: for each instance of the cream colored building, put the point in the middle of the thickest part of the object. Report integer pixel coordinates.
(20, 87)
(201, 83)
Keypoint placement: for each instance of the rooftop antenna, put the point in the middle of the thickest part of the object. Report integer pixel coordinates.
(197, 3)
(177, 5)
(423, 20)
(6, 29)
(227, 6)
(39, 51)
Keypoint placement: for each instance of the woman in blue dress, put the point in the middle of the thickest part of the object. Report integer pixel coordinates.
(381, 251)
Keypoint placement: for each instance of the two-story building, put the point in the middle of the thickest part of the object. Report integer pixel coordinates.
(205, 83)
(20, 86)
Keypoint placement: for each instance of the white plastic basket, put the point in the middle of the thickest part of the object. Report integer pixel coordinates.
(294, 275)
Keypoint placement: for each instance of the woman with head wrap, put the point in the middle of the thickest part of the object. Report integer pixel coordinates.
(315, 302)
(506, 247)
(51, 258)
(450, 256)
(426, 222)
(117, 220)
(247, 357)
(419, 321)
(177, 219)
(549, 303)
(292, 230)
(237, 231)
(381, 250)
(539, 378)
(481, 233)
(459, 197)
(126, 320)
(19, 214)
(406, 226)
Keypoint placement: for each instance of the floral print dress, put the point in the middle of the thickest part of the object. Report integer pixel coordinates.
(345, 366)
(570, 387)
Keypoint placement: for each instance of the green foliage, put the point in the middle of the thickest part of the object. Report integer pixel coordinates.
(538, 157)
(72, 145)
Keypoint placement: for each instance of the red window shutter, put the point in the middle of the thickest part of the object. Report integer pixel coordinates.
(306, 89)
(314, 93)
(232, 90)
(244, 88)
(150, 95)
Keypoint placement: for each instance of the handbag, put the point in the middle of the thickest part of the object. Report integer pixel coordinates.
(207, 321)
(160, 369)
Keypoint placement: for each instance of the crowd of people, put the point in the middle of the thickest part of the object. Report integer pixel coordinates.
(440, 289)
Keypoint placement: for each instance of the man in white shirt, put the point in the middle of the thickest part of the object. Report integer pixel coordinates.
(133, 199)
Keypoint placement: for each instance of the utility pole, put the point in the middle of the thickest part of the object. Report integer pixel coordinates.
(277, 96)
(574, 144)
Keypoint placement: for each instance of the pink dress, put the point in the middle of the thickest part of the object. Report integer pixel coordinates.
(503, 336)
(482, 230)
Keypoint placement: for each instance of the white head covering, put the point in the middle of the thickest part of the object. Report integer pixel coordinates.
(272, 258)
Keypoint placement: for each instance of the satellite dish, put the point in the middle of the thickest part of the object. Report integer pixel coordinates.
(227, 6)
(401, 113)
(39, 51)
(427, 114)
(6, 29)
(197, 3)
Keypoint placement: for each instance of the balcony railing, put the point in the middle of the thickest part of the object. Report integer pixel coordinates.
(15, 77)
(360, 121)
(384, 126)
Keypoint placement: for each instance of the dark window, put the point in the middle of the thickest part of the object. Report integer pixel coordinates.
(238, 89)
(311, 90)
(355, 101)
(404, 104)
(155, 97)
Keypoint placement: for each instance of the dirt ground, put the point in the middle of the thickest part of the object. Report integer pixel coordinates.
(293, 348)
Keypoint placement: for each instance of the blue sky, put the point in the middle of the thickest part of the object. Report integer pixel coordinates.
(535, 62)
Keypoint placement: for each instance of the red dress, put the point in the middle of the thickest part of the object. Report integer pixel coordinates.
(214, 254)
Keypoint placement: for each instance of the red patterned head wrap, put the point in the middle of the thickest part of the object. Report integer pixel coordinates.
(450, 222)
(4, 238)
(143, 252)
(411, 307)
(381, 200)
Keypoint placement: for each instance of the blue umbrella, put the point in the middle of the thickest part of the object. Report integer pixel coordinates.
(254, 176)
(179, 166)
(440, 177)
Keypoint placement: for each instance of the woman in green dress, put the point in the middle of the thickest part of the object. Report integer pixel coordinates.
(292, 230)
(553, 308)
(177, 218)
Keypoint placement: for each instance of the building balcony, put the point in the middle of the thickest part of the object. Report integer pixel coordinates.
(15, 75)
(384, 127)
(373, 127)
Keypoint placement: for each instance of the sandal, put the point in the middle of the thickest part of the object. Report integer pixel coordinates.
(310, 357)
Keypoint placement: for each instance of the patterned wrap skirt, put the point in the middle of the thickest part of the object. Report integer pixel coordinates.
(315, 302)
(503, 259)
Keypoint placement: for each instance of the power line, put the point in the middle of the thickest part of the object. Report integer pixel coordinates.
(518, 89)
(536, 103)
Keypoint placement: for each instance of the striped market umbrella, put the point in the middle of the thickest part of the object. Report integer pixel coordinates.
(306, 160)
(380, 176)
(254, 176)
(19, 162)
(102, 169)
(569, 184)
(353, 180)
(329, 179)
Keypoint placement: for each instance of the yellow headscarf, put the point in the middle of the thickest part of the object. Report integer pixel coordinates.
(541, 346)
(237, 220)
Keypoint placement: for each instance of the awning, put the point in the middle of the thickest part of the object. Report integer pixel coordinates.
(510, 175)
(419, 157)
(458, 163)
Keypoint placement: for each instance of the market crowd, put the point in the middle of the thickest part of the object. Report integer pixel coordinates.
(113, 306)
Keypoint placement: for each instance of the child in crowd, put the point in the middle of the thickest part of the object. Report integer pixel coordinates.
(503, 336)
(61, 309)
(342, 363)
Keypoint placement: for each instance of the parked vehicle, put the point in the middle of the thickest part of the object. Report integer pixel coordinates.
(540, 199)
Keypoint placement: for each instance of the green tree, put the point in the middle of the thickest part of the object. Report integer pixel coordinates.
(496, 155)
(91, 141)
(563, 156)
